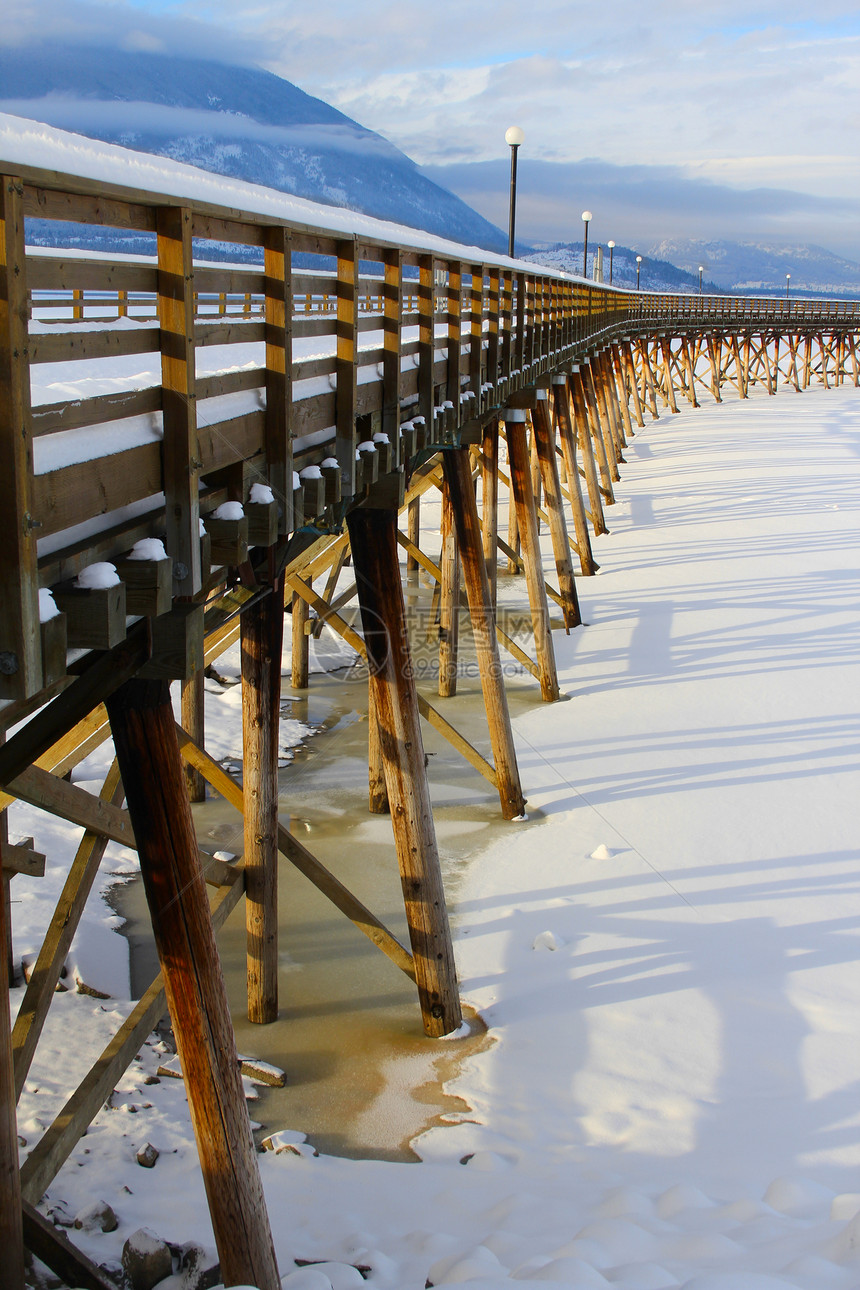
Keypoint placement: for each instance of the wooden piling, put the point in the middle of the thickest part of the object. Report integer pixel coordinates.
(586, 382)
(521, 486)
(544, 440)
(490, 502)
(578, 411)
(413, 532)
(630, 367)
(262, 627)
(567, 438)
(373, 540)
(449, 603)
(377, 794)
(300, 644)
(147, 749)
(455, 463)
(193, 720)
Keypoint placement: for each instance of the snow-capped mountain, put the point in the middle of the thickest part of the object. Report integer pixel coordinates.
(655, 274)
(237, 121)
(759, 266)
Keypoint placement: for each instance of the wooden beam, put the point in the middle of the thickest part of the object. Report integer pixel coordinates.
(52, 1247)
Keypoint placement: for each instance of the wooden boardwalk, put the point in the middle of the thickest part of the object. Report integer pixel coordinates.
(267, 418)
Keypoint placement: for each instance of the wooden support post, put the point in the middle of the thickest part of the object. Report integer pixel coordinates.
(148, 753)
(513, 536)
(578, 407)
(714, 360)
(521, 486)
(630, 367)
(597, 380)
(300, 644)
(544, 440)
(490, 501)
(617, 367)
(449, 605)
(689, 368)
(261, 637)
(599, 433)
(11, 1237)
(20, 640)
(604, 369)
(377, 569)
(193, 721)
(482, 614)
(648, 378)
(536, 480)
(669, 381)
(567, 436)
(377, 793)
(413, 532)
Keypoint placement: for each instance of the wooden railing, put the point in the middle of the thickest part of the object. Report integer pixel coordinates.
(191, 380)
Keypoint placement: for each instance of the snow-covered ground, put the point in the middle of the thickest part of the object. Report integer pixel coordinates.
(665, 954)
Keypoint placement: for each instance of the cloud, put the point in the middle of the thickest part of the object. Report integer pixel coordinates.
(745, 93)
(123, 25)
(98, 117)
(637, 205)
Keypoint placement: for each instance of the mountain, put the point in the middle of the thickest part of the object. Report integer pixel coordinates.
(238, 121)
(748, 267)
(655, 274)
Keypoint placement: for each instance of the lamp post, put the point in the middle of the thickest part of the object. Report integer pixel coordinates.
(701, 271)
(638, 270)
(611, 246)
(514, 136)
(787, 284)
(586, 216)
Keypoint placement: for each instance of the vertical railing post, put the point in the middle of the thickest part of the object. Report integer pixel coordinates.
(278, 305)
(20, 642)
(180, 453)
(346, 363)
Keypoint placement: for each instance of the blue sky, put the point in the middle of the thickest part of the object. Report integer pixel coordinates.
(740, 96)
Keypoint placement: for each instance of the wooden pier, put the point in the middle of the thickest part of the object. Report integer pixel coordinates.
(298, 401)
